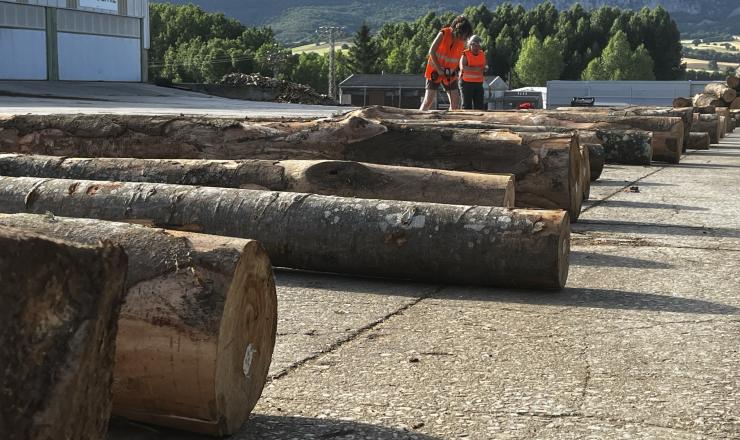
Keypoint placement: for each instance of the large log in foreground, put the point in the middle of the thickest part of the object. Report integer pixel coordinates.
(699, 141)
(59, 305)
(197, 330)
(543, 163)
(331, 177)
(667, 140)
(429, 242)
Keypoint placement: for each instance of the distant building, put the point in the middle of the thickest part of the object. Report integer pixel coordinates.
(621, 93)
(536, 96)
(74, 40)
(396, 90)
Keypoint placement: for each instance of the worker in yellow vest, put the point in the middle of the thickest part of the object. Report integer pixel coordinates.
(443, 63)
(473, 67)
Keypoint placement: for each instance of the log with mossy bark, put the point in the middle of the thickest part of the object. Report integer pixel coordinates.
(214, 296)
(59, 306)
(667, 139)
(705, 100)
(429, 242)
(699, 141)
(329, 177)
(543, 163)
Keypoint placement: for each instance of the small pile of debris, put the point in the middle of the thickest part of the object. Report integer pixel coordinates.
(288, 91)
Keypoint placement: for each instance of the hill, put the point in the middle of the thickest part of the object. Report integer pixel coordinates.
(296, 20)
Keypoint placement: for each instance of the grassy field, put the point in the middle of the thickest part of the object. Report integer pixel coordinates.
(694, 64)
(320, 48)
(719, 46)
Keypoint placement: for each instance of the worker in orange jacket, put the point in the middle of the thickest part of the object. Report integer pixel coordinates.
(473, 68)
(443, 63)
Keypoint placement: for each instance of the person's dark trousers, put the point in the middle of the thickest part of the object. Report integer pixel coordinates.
(472, 95)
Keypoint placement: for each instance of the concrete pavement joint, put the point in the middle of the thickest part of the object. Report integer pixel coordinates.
(600, 201)
(351, 337)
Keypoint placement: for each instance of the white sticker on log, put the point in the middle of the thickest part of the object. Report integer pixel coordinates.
(248, 356)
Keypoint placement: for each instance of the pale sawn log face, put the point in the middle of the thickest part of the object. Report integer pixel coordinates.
(59, 305)
(196, 307)
(332, 177)
(430, 242)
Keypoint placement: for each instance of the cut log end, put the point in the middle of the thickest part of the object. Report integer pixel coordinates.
(699, 141)
(219, 372)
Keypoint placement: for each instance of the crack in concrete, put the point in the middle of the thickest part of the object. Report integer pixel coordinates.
(350, 337)
(601, 201)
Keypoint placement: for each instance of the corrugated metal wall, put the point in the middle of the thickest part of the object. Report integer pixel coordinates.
(618, 93)
(102, 40)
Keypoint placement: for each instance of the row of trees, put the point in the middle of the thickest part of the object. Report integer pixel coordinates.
(527, 47)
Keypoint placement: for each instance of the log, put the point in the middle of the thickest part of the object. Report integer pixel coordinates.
(541, 162)
(668, 132)
(707, 124)
(684, 113)
(723, 113)
(735, 104)
(213, 296)
(431, 242)
(699, 141)
(59, 304)
(705, 100)
(585, 168)
(682, 102)
(623, 145)
(596, 160)
(731, 124)
(720, 91)
(707, 110)
(331, 177)
(733, 82)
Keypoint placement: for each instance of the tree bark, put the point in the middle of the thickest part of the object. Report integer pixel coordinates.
(720, 91)
(340, 178)
(585, 171)
(429, 242)
(59, 304)
(595, 160)
(214, 296)
(699, 141)
(542, 176)
(707, 124)
(735, 104)
(667, 132)
(682, 102)
(731, 124)
(723, 113)
(706, 100)
(706, 110)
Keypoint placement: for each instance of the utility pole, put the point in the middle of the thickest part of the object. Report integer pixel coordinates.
(331, 33)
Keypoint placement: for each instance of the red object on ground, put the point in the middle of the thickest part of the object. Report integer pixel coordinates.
(525, 106)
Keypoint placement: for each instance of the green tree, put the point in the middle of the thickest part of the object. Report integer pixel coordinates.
(713, 65)
(539, 61)
(363, 55)
(619, 62)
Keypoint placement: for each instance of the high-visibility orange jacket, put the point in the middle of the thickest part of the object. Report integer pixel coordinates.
(448, 55)
(475, 68)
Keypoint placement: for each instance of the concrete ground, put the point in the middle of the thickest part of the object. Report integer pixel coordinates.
(644, 343)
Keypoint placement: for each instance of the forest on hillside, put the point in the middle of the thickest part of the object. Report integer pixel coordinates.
(527, 47)
(296, 20)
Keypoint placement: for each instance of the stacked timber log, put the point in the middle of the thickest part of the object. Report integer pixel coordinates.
(329, 177)
(667, 139)
(215, 296)
(699, 141)
(724, 115)
(596, 160)
(543, 163)
(59, 304)
(709, 124)
(720, 94)
(430, 242)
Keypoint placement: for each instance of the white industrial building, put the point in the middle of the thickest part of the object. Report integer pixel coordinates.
(74, 40)
(621, 93)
